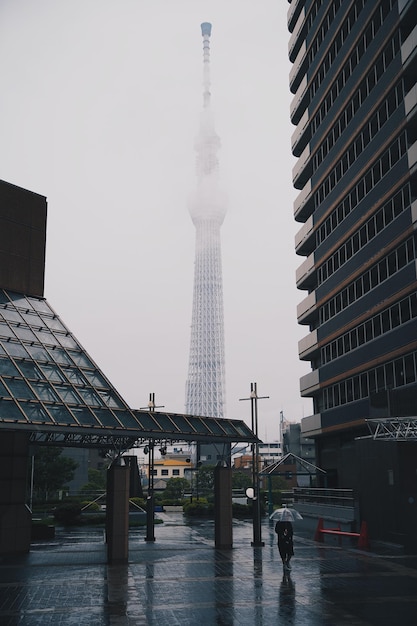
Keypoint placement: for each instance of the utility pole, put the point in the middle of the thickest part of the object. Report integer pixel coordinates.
(257, 537)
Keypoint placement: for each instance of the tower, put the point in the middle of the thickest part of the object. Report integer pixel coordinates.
(205, 392)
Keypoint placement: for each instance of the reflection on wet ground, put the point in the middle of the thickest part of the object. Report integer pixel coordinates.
(181, 579)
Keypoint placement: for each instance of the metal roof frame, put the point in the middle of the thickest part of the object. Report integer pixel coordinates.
(273, 469)
(51, 388)
(393, 428)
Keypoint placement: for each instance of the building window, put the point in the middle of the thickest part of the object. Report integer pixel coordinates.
(396, 150)
(175, 472)
(337, 43)
(384, 59)
(384, 216)
(397, 373)
(164, 472)
(389, 265)
(385, 321)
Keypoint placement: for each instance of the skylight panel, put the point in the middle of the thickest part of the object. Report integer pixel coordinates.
(20, 389)
(35, 412)
(9, 411)
(38, 353)
(7, 368)
(45, 392)
(60, 414)
(84, 416)
(14, 349)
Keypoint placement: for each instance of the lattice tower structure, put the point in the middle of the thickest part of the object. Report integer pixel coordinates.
(205, 391)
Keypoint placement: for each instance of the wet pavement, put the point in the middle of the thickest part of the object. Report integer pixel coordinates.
(182, 580)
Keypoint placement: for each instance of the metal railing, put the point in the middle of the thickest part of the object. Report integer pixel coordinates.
(334, 497)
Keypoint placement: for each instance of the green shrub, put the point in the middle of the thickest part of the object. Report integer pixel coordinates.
(276, 495)
(171, 502)
(241, 511)
(137, 502)
(95, 519)
(68, 514)
(199, 508)
(89, 507)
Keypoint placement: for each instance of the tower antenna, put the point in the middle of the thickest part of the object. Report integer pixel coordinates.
(205, 392)
(206, 32)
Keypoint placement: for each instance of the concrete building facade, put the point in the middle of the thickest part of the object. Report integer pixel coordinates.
(355, 111)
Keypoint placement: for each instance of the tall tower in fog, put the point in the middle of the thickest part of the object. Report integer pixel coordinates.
(205, 394)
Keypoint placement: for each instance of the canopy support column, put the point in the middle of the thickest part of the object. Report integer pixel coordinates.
(117, 513)
(15, 516)
(223, 507)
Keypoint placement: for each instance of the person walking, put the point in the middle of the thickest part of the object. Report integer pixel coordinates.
(285, 542)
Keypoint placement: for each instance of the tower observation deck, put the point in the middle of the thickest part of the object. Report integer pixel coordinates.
(205, 392)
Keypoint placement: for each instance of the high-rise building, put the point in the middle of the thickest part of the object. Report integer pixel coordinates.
(205, 393)
(354, 78)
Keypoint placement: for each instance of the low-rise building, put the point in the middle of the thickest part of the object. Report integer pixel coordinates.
(170, 468)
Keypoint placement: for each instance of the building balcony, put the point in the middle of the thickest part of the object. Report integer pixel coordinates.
(307, 345)
(305, 274)
(296, 112)
(402, 5)
(309, 383)
(301, 209)
(311, 425)
(410, 100)
(409, 46)
(414, 212)
(301, 172)
(412, 155)
(305, 239)
(307, 308)
(293, 42)
(297, 146)
(297, 67)
(292, 14)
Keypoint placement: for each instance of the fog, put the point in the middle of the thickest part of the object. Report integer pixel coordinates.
(100, 109)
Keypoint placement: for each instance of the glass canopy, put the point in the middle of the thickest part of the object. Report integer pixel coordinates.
(51, 387)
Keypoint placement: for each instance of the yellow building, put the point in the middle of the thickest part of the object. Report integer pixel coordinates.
(164, 469)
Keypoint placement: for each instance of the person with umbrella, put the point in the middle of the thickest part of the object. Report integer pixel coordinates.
(284, 530)
(285, 542)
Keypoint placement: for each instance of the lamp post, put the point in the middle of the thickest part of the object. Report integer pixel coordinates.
(150, 500)
(256, 509)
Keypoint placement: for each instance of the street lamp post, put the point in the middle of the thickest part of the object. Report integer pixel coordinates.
(257, 535)
(150, 501)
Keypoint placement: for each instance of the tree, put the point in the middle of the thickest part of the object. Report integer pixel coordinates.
(205, 477)
(278, 483)
(240, 480)
(175, 488)
(97, 478)
(96, 483)
(52, 471)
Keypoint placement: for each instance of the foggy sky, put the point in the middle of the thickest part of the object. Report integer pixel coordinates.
(99, 112)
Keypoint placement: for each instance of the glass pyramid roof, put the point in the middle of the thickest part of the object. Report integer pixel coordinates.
(51, 387)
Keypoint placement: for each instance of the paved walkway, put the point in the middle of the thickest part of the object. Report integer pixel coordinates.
(182, 580)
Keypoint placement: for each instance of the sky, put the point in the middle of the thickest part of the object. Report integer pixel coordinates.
(99, 111)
